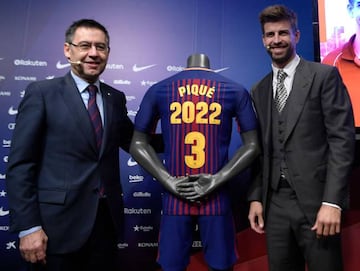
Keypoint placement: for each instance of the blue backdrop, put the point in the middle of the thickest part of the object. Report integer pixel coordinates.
(150, 40)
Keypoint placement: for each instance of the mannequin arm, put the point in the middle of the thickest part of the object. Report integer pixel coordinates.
(206, 183)
(145, 155)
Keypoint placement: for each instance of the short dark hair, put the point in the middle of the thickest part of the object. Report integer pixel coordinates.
(69, 34)
(277, 13)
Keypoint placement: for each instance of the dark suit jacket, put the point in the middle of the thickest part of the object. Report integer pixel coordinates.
(319, 137)
(54, 166)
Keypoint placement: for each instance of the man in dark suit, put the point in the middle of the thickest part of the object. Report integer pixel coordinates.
(63, 182)
(308, 142)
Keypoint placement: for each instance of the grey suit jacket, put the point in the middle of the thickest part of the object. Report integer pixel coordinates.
(54, 165)
(319, 137)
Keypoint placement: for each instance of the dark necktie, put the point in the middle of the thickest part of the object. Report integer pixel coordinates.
(95, 115)
(281, 94)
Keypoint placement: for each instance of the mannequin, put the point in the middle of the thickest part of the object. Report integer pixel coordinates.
(198, 61)
(193, 188)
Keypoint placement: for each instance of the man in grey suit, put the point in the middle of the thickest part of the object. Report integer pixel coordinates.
(63, 186)
(308, 137)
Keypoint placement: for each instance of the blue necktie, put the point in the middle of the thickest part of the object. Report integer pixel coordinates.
(95, 115)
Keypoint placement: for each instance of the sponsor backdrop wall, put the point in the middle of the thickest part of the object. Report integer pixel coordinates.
(150, 40)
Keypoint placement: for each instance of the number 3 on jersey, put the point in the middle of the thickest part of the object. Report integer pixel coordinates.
(197, 157)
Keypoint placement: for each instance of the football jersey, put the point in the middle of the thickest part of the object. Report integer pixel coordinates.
(197, 108)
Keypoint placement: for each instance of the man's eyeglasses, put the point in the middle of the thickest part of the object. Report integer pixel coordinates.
(86, 46)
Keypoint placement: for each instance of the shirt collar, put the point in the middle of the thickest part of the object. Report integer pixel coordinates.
(289, 68)
(82, 84)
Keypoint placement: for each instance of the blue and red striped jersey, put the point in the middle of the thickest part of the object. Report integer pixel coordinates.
(197, 109)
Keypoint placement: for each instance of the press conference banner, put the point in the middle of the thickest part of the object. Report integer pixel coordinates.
(150, 40)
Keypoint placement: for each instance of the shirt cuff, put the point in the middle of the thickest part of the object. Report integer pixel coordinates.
(332, 205)
(27, 232)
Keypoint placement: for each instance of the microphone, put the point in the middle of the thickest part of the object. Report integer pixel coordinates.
(74, 62)
(268, 47)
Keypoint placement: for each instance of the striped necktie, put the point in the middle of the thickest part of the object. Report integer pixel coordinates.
(281, 94)
(94, 114)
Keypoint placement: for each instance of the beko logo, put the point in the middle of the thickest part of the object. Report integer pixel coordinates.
(136, 178)
(22, 62)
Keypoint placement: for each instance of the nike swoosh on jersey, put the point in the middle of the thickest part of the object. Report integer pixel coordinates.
(141, 68)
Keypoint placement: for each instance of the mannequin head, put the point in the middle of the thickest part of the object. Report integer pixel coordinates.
(198, 61)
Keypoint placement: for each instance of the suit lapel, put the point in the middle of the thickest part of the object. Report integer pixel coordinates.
(300, 90)
(108, 113)
(78, 110)
(266, 105)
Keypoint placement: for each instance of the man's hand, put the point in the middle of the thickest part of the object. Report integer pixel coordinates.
(33, 247)
(328, 221)
(256, 217)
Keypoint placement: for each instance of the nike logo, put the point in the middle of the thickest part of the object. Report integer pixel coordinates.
(131, 162)
(220, 70)
(2, 176)
(141, 68)
(12, 111)
(60, 66)
(2, 212)
(2, 77)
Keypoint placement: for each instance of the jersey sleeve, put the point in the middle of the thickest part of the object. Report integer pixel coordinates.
(245, 113)
(147, 115)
